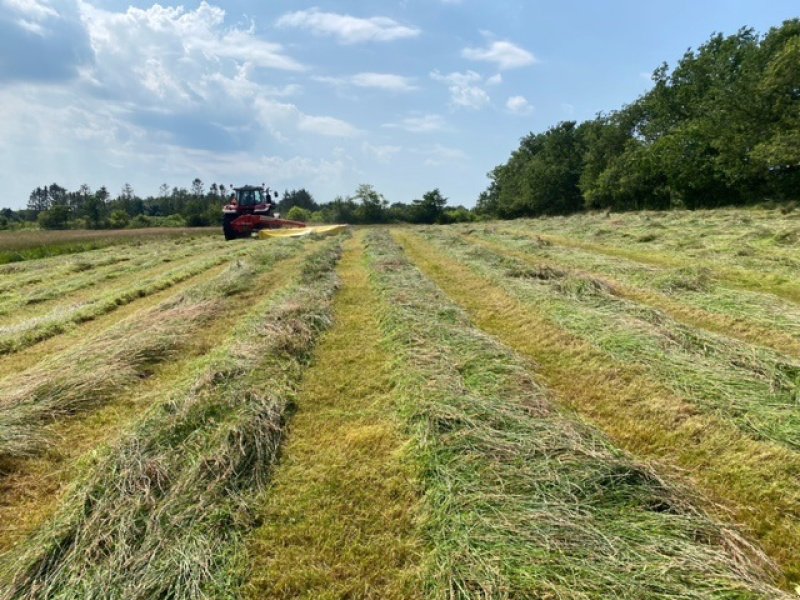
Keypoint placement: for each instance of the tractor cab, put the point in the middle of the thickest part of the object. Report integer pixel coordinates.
(251, 199)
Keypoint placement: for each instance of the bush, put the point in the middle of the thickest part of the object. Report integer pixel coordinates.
(118, 220)
(298, 214)
(55, 218)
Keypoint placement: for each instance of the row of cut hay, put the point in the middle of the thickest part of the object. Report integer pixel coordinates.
(155, 265)
(163, 514)
(22, 246)
(14, 338)
(756, 388)
(756, 240)
(777, 281)
(693, 287)
(77, 275)
(522, 499)
(91, 374)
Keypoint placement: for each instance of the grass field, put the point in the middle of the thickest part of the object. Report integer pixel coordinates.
(600, 406)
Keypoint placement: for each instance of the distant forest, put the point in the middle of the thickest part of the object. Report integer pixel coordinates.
(722, 128)
(54, 207)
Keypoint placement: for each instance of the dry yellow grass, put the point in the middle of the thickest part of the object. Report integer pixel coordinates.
(339, 519)
(756, 482)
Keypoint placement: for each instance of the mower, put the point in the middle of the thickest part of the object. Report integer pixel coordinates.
(251, 210)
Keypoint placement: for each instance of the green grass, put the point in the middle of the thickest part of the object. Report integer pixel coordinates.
(69, 313)
(339, 519)
(91, 374)
(33, 245)
(523, 499)
(751, 482)
(756, 388)
(163, 512)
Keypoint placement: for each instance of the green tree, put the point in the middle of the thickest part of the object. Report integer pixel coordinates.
(118, 219)
(55, 218)
(429, 209)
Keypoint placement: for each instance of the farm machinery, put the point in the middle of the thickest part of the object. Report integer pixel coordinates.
(250, 210)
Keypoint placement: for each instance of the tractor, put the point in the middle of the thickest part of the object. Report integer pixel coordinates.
(250, 210)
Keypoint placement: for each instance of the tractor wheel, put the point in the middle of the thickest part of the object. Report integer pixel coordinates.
(227, 227)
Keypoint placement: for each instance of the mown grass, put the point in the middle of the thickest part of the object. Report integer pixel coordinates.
(522, 499)
(692, 282)
(756, 480)
(31, 491)
(43, 286)
(103, 366)
(339, 519)
(686, 297)
(755, 388)
(18, 246)
(17, 336)
(164, 511)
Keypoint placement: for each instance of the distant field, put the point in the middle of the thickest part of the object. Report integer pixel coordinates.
(26, 245)
(600, 406)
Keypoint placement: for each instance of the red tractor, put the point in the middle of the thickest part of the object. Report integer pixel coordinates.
(251, 209)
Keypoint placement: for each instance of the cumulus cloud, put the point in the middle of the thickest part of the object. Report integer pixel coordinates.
(42, 43)
(381, 153)
(382, 81)
(440, 155)
(346, 28)
(279, 116)
(33, 9)
(464, 89)
(504, 54)
(420, 124)
(519, 105)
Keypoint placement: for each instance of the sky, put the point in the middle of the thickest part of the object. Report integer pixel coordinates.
(407, 96)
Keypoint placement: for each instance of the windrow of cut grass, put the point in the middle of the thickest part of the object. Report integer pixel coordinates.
(339, 517)
(31, 492)
(164, 511)
(755, 480)
(91, 374)
(780, 282)
(752, 239)
(521, 498)
(79, 275)
(17, 336)
(755, 388)
(690, 296)
(19, 246)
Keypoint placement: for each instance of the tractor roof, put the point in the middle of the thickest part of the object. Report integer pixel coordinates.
(247, 188)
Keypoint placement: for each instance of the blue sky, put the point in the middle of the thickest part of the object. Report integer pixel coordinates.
(325, 95)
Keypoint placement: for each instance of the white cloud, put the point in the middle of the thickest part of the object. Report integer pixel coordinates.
(328, 126)
(495, 79)
(348, 29)
(37, 10)
(174, 54)
(278, 116)
(504, 54)
(519, 105)
(382, 153)
(383, 81)
(420, 124)
(440, 155)
(464, 91)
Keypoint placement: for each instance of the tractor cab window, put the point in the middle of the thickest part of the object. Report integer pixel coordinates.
(251, 197)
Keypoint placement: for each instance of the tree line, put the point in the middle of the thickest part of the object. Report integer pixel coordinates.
(55, 207)
(722, 128)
